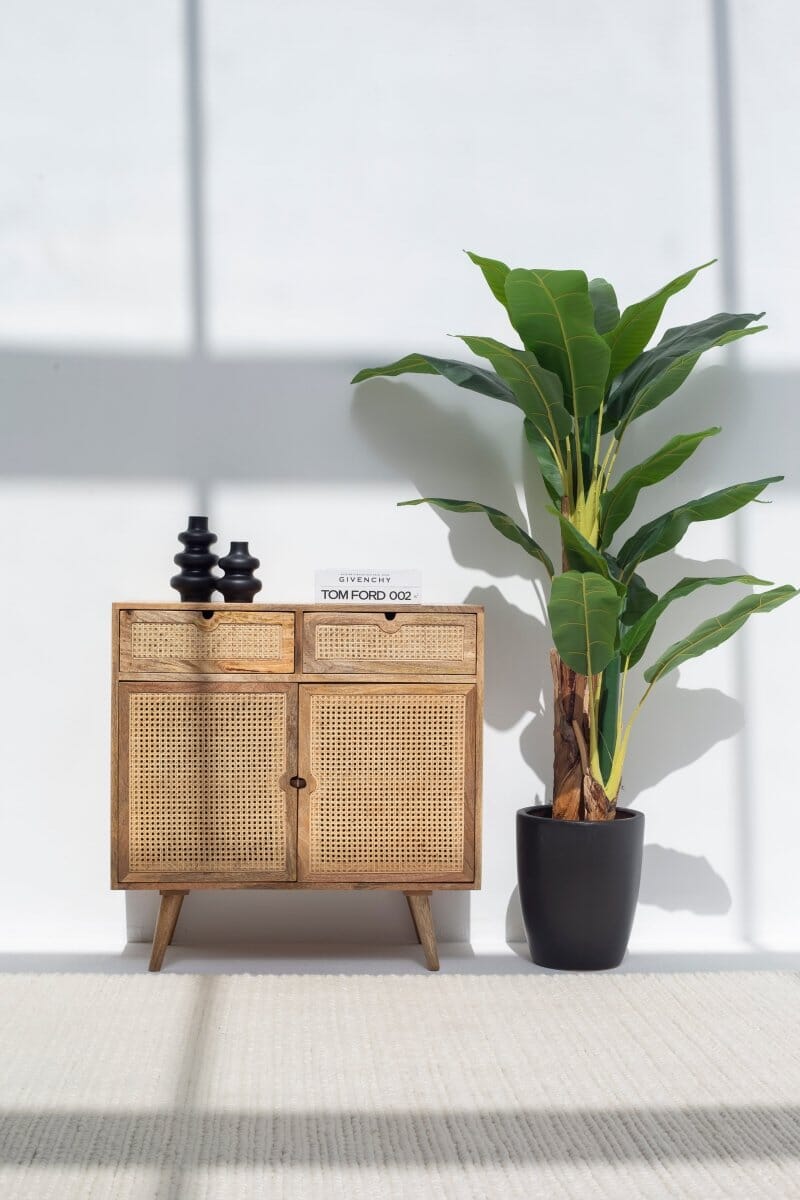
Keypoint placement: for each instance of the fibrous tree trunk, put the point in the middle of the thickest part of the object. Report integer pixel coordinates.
(569, 696)
(577, 796)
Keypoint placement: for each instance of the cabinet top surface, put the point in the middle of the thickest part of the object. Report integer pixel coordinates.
(216, 606)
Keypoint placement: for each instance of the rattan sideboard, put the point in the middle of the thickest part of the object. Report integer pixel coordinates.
(296, 746)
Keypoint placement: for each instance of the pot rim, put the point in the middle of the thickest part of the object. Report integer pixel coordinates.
(544, 812)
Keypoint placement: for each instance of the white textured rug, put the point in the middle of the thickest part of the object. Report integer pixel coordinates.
(491, 1086)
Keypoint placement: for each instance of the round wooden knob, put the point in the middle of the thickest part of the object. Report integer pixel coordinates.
(297, 781)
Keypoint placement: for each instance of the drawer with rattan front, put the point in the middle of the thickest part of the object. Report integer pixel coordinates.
(201, 642)
(390, 643)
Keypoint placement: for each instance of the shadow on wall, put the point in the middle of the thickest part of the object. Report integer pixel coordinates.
(684, 882)
(89, 416)
(85, 416)
(671, 880)
(394, 417)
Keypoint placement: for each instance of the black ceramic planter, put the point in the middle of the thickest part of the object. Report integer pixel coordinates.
(578, 887)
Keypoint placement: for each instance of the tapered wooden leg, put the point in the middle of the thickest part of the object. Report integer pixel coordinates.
(168, 913)
(419, 904)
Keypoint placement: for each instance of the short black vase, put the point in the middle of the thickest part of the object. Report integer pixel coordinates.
(239, 585)
(195, 580)
(578, 887)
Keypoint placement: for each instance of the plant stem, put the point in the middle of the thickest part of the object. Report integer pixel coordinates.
(593, 686)
(578, 454)
(621, 706)
(610, 459)
(597, 440)
(570, 487)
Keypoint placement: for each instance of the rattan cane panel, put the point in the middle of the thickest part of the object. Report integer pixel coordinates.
(389, 773)
(410, 643)
(185, 642)
(203, 785)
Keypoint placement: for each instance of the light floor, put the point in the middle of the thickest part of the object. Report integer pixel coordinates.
(304, 1073)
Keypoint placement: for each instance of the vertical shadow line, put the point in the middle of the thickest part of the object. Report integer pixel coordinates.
(196, 216)
(195, 171)
(729, 244)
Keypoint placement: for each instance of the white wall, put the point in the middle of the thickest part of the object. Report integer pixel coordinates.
(199, 249)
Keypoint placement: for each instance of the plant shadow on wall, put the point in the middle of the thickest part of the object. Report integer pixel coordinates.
(445, 451)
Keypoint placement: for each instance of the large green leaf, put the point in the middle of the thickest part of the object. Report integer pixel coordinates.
(547, 465)
(552, 313)
(536, 390)
(584, 614)
(494, 272)
(664, 532)
(659, 372)
(635, 639)
(466, 375)
(617, 504)
(638, 322)
(604, 304)
(500, 520)
(717, 630)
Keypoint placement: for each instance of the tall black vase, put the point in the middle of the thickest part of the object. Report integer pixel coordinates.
(195, 580)
(239, 585)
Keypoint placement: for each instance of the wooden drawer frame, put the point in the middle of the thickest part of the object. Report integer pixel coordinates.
(303, 671)
(390, 626)
(131, 667)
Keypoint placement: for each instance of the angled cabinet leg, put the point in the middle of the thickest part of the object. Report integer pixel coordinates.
(419, 904)
(168, 914)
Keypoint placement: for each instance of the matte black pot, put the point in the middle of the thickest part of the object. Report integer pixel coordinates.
(578, 886)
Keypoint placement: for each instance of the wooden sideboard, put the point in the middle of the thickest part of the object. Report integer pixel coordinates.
(296, 746)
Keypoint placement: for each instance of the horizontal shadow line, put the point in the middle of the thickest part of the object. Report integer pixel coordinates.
(191, 1137)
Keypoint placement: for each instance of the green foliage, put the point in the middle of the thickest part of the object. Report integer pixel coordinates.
(581, 554)
(635, 639)
(716, 630)
(604, 303)
(582, 374)
(617, 503)
(658, 373)
(494, 272)
(536, 390)
(637, 324)
(638, 597)
(664, 532)
(553, 314)
(551, 474)
(465, 375)
(584, 613)
(500, 520)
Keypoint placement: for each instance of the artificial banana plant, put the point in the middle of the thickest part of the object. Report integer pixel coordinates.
(581, 376)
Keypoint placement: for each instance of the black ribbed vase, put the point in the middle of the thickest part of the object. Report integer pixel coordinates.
(195, 580)
(239, 585)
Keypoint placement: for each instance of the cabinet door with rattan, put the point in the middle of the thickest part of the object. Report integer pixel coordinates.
(205, 782)
(390, 783)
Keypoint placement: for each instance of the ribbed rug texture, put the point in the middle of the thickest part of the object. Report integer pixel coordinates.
(230, 1087)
